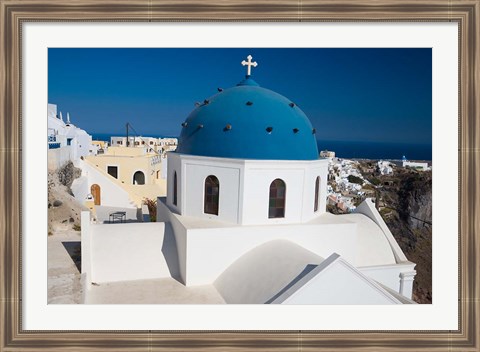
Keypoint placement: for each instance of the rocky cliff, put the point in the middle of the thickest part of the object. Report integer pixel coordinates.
(63, 209)
(405, 200)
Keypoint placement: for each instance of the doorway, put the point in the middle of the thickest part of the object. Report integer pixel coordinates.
(95, 191)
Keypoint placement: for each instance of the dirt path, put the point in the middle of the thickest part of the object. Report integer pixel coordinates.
(64, 285)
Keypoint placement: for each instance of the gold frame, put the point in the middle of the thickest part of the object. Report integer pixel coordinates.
(13, 13)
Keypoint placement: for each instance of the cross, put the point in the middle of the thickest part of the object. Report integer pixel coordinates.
(249, 63)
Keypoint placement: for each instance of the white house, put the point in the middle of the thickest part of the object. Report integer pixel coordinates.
(327, 154)
(66, 142)
(161, 145)
(385, 167)
(421, 166)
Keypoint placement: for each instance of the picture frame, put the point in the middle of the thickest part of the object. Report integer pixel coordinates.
(14, 13)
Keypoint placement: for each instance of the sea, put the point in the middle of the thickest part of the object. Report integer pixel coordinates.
(350, 149)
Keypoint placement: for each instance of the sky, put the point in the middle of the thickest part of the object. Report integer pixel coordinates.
(372, 95)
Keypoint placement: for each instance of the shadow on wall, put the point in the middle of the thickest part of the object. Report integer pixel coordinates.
(169, 251)
(75, 252)
(305, 271)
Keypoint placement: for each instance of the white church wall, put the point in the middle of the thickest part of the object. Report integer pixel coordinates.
(175, 165)
(212, 250)
(373, 247)
(391, 276)
(323, 173)
(86, 250)
(318, 169)
(367, 207)
(112, 257)
(257, 190)
(191, 175)
(299, 178)
(264, 271)
(228, 178)
(245, 188)
(406, 282)
(335, 281)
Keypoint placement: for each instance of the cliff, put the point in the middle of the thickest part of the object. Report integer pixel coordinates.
(405, 200)
(63, 209)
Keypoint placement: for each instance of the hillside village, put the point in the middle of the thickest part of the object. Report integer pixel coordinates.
(352, 181)
(403, 194)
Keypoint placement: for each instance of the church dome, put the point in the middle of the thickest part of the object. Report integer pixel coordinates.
(248, 122)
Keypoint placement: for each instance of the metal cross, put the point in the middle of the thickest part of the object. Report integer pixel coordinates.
(249, 64)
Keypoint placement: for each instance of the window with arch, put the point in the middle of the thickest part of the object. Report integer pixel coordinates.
(174, 188)
(317, 189)
(276, 203)
(212, 192)
(138, 178)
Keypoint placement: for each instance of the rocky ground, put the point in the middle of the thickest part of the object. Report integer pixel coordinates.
(405, 203)
(62, 206)
(408, 214)
(63, 237)
(64, 285)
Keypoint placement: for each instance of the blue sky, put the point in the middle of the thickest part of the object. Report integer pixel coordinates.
(381, 95)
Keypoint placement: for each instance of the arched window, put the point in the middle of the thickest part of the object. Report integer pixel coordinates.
(212, 190)
(317, 188)
(174, 188)
(138, 178)
(276, 204)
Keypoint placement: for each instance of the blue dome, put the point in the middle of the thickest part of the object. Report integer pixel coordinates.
(248, 122)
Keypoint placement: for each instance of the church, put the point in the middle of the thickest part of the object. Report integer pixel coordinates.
(245, 212)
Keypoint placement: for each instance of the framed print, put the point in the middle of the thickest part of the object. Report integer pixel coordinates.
(41, 38)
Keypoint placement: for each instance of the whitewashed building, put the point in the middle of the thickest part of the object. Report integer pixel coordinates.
(327, 154)
(161, 145)
(66, 142)
(385, 167)
(250, 218)
(421, 166)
